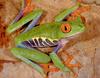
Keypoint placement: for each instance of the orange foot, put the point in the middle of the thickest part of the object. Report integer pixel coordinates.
(70, 58)
(71, 63)
(29, 7)
(50, 68)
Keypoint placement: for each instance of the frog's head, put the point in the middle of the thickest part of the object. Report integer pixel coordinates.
(72, 28)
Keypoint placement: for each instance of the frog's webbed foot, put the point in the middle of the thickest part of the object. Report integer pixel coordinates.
(71, 62)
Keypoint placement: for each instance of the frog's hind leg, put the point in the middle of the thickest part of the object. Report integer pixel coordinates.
(31, 63)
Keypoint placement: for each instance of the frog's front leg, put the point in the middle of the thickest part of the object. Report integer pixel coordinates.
(56, 60)
(31, 57)
(66, 65)
(34, 16)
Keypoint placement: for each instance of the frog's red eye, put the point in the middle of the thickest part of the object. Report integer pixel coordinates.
(65, 28)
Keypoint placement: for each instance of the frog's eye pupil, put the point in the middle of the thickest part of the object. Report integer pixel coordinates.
(65, 28)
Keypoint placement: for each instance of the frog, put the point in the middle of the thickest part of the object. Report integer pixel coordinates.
(54, 34)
